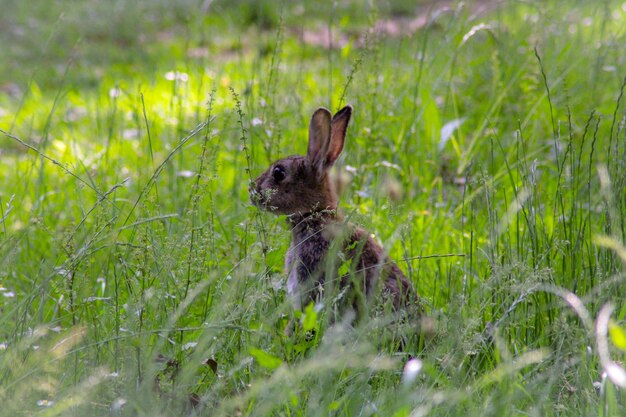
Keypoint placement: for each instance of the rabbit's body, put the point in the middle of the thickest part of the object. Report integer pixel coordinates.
(326, 253)
(307, 260)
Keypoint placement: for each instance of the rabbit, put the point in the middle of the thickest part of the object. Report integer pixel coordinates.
(322, 241)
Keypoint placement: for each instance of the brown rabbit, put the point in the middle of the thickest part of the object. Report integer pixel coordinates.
(323, 242)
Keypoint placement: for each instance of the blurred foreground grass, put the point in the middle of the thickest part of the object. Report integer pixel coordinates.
(137, 280)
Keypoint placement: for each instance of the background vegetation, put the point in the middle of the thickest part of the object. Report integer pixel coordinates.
(136, 279)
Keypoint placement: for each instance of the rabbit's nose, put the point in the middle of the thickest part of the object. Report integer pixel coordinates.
(255, 195)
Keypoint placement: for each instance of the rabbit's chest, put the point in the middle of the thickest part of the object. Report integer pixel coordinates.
(292, 277)
(303, 264)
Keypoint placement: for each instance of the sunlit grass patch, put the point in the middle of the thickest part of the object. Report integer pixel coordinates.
(485, 154)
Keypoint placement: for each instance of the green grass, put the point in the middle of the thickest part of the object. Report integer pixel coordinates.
(134, 272)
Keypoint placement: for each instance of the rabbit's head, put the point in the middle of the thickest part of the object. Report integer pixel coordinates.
(301, 184)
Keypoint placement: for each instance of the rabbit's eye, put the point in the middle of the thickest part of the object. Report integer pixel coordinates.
(278, 173)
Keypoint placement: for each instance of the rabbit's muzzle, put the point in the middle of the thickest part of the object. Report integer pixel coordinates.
(258, 196)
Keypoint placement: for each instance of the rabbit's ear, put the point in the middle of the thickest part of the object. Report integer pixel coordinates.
(339, 125)
(319, 138)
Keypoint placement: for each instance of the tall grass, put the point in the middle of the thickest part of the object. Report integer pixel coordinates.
(138, 279)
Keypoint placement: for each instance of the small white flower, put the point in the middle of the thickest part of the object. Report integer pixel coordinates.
(190, 345)
(63, 272)
(411, 370)
(115, 92)
(45, 403)
(185, 173)
(351, 169)
(177, 76)
(130, 133)
(118, 404)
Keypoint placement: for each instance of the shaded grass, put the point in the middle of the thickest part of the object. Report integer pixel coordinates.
(127, 229)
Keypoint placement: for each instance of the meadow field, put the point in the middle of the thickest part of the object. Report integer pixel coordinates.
(487, 154)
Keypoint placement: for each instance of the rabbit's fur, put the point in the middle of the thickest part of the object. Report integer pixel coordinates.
(322, 242)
